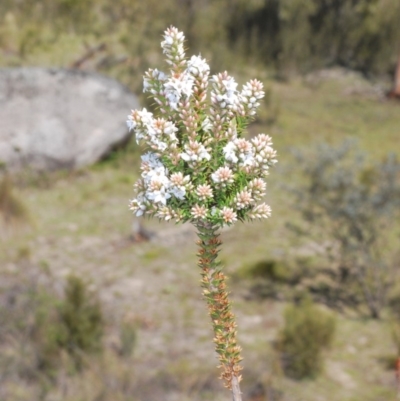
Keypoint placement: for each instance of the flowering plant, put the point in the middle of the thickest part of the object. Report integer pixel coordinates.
(200, 168)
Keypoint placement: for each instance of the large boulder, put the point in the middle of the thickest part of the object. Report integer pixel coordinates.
(55, 118)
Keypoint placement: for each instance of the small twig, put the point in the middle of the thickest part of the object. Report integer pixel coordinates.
(88, 55)
(109, 61)
(140, 233)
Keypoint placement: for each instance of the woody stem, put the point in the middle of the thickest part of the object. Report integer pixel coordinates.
(223, 321)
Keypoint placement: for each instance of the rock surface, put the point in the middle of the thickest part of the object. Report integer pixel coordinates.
(55, 118)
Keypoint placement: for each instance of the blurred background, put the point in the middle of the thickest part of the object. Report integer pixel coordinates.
(96, 306)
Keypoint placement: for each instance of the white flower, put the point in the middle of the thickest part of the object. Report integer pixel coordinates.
(228, 215)
(224, 89)
(137, 205)
(158, 195)
(138, 118)
(179, 179)
(164, 212)
(156, 177)
(141, 121)
(161, 134)
(172, 45)
(173, 99)
(239, 149)
(203, 154)
(199, 212)
(250, 95)
(262, 211)
(151, 78)
(243, 199)
(146, 117)
(150, 161)
(198, 66)
(177, 86)
(265, 156)
(247, 159)
(206, 125)
(223, 176)
(229, 152)
(155, 181)
(181, 84)
(195, 152)
(169, 129)
(257, 188)
(130, 122)
(230, 85)
(204, 192)
(178, 191)
(169, 40)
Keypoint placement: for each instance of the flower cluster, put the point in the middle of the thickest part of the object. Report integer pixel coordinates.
(199, 166)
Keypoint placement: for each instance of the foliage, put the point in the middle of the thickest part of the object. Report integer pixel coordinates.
(307, 332)
(76, 325)
(350, 207)
(80, 319)
(268, 279)
(274, 270)
(283, 35)
(303, 34)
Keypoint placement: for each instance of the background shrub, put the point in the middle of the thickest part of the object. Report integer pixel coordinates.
(350, 207)
(284, 36)
(75, 325)
(80, 318)
(306, 333)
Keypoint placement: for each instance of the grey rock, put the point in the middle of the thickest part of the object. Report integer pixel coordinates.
(56, 118)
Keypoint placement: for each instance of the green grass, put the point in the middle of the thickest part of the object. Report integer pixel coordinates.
(328, 114)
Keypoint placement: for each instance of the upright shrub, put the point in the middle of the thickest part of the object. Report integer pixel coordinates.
(351, 206)
(75, 325)
(199, 168)
(80, 319)
(307, 332)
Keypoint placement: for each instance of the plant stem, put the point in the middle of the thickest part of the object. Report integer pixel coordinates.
(219, 307)
(236, 394)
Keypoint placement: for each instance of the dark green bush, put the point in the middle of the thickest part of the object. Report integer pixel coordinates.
(307, 332)
(267, 278)
(80, 319)
(276, 271)
(75, 325)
